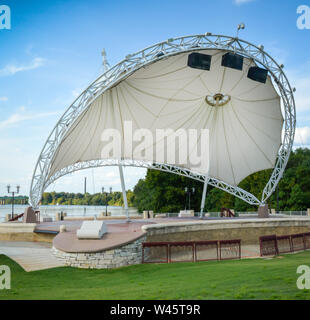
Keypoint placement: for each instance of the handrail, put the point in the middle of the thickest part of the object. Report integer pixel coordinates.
(17, 217)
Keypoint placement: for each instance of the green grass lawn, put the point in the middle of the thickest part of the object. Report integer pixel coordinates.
(245, 279)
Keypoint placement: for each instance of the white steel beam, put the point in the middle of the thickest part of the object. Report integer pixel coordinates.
(121, 174)
(203, 199)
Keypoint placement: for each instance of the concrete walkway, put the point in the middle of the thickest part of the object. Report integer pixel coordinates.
(31, 256)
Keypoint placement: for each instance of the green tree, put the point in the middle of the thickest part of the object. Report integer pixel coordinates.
(164, 192)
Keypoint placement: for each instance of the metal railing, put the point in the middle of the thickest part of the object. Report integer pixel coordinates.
(288, 213)
(190, 251)
(274, 245)
(294, 213)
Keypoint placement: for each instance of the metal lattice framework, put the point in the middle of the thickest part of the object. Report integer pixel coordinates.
(132, 63)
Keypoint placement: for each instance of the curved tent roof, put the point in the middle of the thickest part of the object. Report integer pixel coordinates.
(244, 133)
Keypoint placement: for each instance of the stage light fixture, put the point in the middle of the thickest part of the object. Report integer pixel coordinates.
(232, 60)
(258, 74)
(199, 61)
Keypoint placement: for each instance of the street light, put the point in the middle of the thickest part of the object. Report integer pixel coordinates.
(106, 199)
(241, 26)
(188, 192)
(13, 196)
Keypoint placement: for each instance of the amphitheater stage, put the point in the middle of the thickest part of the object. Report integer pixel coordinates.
(123, 243)
(125, 238)
(248, 230)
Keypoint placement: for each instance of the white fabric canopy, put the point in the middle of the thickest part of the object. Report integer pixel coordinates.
(245, 133)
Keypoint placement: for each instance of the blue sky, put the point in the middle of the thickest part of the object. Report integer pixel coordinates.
(52, 52)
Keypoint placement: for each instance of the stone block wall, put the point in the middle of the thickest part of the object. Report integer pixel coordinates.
(248, 230)
(18, 231)
(125, 255)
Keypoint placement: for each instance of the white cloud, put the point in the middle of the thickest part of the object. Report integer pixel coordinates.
(299, 78)
(66, 100)
(302, 95)
(76, 92)
(97, 178)
(276, 50)
(111, 174)
(239, 2)
(21, 116)
(12, 69)
(4, 98)
(17, 152)
(302, 136)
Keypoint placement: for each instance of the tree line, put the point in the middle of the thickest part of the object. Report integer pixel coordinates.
(97, 199)
(165, 192)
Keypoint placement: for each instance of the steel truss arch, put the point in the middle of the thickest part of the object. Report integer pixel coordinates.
(132, 63)
(238, 192)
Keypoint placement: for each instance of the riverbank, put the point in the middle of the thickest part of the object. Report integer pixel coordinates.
(51, 210)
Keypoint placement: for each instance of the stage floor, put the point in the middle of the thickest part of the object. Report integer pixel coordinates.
(118, 234)
(73, 225)
(121, 232)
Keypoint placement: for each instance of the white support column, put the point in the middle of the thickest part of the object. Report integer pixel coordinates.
(121, 173)
(203, 200)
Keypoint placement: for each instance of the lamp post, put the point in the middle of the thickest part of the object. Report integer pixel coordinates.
(13, 196)
(106, 199)
(188, 192)
(277, 198)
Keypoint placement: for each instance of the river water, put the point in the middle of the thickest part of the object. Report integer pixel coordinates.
(50, 211)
